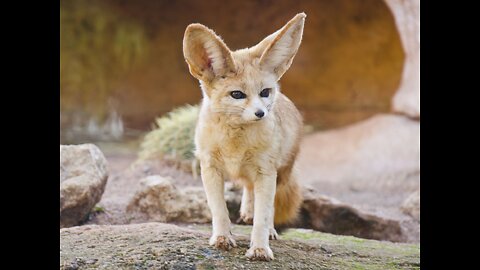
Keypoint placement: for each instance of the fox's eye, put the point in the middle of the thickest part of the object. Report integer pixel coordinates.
(238, 94)
(265, 92)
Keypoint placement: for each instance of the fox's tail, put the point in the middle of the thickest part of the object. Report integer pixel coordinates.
(288, 198)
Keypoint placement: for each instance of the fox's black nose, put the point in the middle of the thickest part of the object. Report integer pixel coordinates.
(259, 113)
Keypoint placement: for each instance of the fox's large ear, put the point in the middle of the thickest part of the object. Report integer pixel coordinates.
(206, 54)
(279, 49)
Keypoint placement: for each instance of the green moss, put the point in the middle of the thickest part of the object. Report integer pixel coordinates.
(206, 267)
(98, 209)
(349, 244)
(357, 266)
(296, 234)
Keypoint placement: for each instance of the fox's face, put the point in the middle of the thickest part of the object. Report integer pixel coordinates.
(244, 97)
(241, 85)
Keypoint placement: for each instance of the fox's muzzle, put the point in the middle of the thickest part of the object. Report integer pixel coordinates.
(259, 113)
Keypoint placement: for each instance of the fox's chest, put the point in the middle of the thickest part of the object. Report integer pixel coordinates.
(238, 163)
(232, 166)
(236, 155)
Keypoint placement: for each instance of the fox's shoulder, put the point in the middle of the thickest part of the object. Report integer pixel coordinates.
(285, 109)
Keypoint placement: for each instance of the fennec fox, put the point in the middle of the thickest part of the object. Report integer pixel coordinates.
(247, 131)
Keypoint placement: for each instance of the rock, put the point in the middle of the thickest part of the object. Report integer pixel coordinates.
(407, 19)
(411, 205)
(162, 201)
(165, 246)
(329, 215)
(373, 164)
(83, 176)
(384, 149)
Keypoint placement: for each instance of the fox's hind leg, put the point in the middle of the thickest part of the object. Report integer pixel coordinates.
(273, 235)
(246, 208)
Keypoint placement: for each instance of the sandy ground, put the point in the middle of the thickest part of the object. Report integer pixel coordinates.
(381, 197)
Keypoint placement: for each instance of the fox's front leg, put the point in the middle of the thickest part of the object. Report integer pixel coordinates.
(213, 184)
(264, 193)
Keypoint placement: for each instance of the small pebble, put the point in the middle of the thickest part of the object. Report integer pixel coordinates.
(91, 261)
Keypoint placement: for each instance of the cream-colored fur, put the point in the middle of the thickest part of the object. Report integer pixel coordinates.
(233, 142)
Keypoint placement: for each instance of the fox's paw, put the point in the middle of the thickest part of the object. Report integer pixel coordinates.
(259, 254)
(245, 219)
(273, 235)
(222, 242)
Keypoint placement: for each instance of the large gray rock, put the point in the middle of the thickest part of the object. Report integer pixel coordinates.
(158, 197)
(83, 176)
(166, 246)
(326, 214)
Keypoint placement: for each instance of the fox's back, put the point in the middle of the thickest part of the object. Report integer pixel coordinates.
(289, 128)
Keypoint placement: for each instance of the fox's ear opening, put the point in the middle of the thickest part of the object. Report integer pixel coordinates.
(206, 54)
(279, 49)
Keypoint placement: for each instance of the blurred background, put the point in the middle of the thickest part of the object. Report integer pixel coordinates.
(122, 63)
(355, 79)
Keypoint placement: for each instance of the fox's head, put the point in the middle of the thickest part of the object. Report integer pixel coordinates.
(242, 84)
